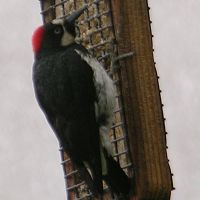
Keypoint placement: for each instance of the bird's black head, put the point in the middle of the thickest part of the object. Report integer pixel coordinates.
(56, 34)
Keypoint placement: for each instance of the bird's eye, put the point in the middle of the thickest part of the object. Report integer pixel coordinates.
(58, 30)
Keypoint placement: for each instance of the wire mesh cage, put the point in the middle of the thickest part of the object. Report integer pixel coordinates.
(118, 34)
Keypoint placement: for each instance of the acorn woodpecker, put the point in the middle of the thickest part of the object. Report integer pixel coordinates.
(78, 98)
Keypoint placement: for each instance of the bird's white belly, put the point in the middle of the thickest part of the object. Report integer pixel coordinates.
(105, 105)
(105, 89)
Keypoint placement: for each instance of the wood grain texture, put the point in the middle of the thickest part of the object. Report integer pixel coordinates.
(141, 94)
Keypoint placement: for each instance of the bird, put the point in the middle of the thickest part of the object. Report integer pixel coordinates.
(77, 96)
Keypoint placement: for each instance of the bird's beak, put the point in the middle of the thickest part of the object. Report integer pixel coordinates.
(75, 15)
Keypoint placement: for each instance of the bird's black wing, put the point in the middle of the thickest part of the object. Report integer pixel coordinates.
(65, 91)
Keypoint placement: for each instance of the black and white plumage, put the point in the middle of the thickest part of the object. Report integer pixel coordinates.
(78, 98)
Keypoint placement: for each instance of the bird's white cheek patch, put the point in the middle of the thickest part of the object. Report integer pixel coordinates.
(67, 39)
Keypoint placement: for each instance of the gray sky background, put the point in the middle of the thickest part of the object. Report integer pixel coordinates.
(29, 156)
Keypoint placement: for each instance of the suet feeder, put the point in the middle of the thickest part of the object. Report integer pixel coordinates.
(118, 33)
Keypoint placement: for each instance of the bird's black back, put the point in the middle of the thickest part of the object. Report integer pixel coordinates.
(65, 91)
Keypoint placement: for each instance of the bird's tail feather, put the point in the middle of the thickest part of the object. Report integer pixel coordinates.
(94, 184)
(96, 171)
(116, 178)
